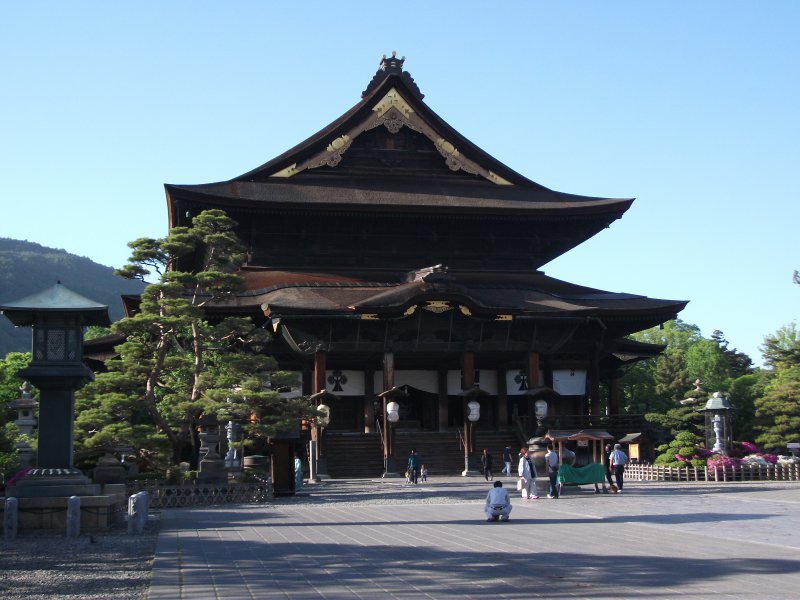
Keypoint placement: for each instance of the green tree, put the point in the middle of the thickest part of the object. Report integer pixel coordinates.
(178, 362)
(740, 364)
(777, 411)
(706, 361)
(782, 348)
(742, 394)
(684, 415)
(9, 391)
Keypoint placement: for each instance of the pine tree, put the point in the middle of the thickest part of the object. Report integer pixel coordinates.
(177, 363)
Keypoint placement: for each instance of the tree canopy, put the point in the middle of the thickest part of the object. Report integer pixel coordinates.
(177, 362)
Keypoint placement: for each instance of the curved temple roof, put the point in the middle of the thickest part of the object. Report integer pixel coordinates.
(450, 174)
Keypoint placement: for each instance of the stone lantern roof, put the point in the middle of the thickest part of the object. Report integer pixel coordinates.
(717, 402)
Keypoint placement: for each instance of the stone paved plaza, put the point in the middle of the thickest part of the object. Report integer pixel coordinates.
(373, 539)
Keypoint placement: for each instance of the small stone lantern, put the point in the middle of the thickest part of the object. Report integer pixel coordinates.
(26, 407)
(719, 435)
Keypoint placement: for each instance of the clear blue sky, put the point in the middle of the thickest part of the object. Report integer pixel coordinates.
(690, 107)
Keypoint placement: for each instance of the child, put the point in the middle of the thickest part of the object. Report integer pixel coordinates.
(423, 473)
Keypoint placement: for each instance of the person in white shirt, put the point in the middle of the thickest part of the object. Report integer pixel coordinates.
(618, 460)
(527, 476)
(498, 504)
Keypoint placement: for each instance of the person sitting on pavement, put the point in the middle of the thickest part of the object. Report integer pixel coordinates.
(498, 503)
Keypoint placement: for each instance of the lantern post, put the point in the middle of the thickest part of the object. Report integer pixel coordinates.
(57, 316)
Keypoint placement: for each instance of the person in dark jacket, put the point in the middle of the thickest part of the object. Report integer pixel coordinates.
(507, 461)
(486, 461)
(413, 466)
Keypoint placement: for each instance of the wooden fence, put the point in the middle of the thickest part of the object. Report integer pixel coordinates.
(173, 496)
(719, 474)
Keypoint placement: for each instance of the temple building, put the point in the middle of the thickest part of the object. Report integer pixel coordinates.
(392, 257)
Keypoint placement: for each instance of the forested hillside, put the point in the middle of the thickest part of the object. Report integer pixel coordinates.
(27, 268)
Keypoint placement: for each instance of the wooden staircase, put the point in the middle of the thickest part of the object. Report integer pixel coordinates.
(354, 455)
(360, 455)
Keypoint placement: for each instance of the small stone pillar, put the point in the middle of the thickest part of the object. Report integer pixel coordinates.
(10, 518)
(138, 509)
(73, 516)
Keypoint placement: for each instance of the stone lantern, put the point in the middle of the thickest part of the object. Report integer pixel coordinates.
(719, 436)
(58, 317)
(391, 415)
(472, 414)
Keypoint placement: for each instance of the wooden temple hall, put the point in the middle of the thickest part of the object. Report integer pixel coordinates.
(394, 259)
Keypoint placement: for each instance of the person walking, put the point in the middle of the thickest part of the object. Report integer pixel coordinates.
(498, 504)
(527, 476)
(486, 461)
(413, 466)
(551, 462)
(618, 461)
(609, 473)
(507, 461)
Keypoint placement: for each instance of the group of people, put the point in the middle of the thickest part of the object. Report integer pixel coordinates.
(498, 502)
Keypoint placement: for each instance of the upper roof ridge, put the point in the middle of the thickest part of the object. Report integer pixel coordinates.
(388, 67)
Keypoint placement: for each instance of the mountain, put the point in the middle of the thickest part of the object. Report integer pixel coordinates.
(27, 268)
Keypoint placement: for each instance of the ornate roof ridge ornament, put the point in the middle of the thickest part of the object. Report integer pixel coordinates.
(434, 273)
(392, 66)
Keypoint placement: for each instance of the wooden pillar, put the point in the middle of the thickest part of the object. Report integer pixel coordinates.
(533, 369)
(308, 380)
(319, 371)
(533, 381)
(502, 398)
(388, 383)
(444, 408)
(613, 394)
(319, 385)
(388, 371)
(369, 399)
(468, 381)
(594, 387)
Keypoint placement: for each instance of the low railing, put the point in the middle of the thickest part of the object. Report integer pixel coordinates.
(789, 472)
(163, 495)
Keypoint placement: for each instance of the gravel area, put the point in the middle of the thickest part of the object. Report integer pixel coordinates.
(104, 565)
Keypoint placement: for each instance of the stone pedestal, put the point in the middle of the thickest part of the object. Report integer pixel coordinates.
(98, 513)
(44, 483)
(212, 466)
(470, 467)
(109, 470)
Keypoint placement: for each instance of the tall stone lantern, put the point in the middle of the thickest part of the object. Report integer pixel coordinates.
(58, 317)
(718, 412)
